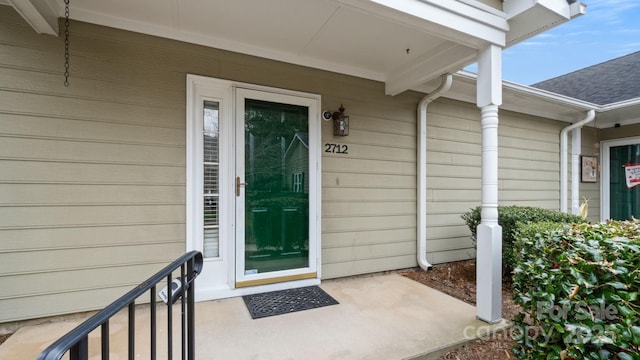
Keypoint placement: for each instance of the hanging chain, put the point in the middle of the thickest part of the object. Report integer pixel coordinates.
(66, 43)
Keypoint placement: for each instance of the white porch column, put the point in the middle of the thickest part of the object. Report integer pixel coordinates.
(489, 233)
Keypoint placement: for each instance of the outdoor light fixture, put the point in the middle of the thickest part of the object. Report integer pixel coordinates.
(340, 123)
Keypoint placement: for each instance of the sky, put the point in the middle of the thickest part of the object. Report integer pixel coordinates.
(609, 29)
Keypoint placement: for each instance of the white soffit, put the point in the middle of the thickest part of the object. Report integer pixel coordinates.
(401, 42)
(528, 18)
(622, 113)
(456, 21)
(42, 15)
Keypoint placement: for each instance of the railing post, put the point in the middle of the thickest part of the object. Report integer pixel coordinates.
(183, 318)
(153, 324)
(80, 351)
(191, 309)
(76, 342)
(132, 330)
(104, 330)
(169, 321)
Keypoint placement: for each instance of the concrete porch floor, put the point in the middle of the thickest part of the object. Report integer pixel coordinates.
(379, 317)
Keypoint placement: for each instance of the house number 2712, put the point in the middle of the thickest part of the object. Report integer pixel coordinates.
(336, 148)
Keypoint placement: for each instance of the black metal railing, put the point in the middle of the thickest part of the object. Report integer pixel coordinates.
(76, 342)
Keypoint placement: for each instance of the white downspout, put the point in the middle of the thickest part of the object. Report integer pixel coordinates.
(445, 85)
(575, 163)
(576, 150)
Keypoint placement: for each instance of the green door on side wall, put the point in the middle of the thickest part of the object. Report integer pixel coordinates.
(624, 202)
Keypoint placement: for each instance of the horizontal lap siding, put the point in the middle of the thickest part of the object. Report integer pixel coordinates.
(529, 168)
(453, 178)
(591, 191)
(369, 194)
(92, 177)
(528, 171)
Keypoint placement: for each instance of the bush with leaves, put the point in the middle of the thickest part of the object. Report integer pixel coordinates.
(578, 286)
(509, 217)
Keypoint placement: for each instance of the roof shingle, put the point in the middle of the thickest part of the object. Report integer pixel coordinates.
(605, 83)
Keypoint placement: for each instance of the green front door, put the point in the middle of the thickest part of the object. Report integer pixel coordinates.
(272, 192)
(624, 195)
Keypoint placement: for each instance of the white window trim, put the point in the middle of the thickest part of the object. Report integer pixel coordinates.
(197, 87)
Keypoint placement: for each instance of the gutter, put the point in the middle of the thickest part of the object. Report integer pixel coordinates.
(620, 104)
(575, 163)
(444, 86)
(511, 88)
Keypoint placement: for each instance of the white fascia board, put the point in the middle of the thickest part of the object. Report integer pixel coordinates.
(621, 104)
(516, 7)
(549, 96)
(484, 7)
(169, 32)
(451, 20)
(577, 9)
(623, 112)
(39, 14)
(531, 17)
(543, 95)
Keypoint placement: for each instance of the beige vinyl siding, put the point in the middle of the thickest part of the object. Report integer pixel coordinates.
(614, 133)
(369, 194)
(92, 176)
(591, 191)
(453, 178)
(529, 171)
(529, 168)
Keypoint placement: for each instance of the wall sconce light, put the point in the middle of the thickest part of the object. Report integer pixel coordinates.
(340, 123)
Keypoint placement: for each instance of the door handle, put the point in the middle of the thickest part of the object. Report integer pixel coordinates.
(238, 184)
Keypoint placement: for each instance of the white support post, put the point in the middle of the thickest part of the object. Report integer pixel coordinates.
(489, 233)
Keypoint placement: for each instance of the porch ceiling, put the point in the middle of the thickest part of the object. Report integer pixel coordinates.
(360, 38)
(403, 43)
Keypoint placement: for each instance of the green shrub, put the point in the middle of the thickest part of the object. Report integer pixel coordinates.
(578, 286)
(508, 218)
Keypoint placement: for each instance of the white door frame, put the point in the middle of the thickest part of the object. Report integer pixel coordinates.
(605, 152)
(218, 277)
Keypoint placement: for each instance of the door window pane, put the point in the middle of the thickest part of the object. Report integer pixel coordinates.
(276, 198)
(211, 179)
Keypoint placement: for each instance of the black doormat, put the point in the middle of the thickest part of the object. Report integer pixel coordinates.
(287, 301)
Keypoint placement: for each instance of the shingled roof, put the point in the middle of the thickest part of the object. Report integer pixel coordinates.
(605, 83)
